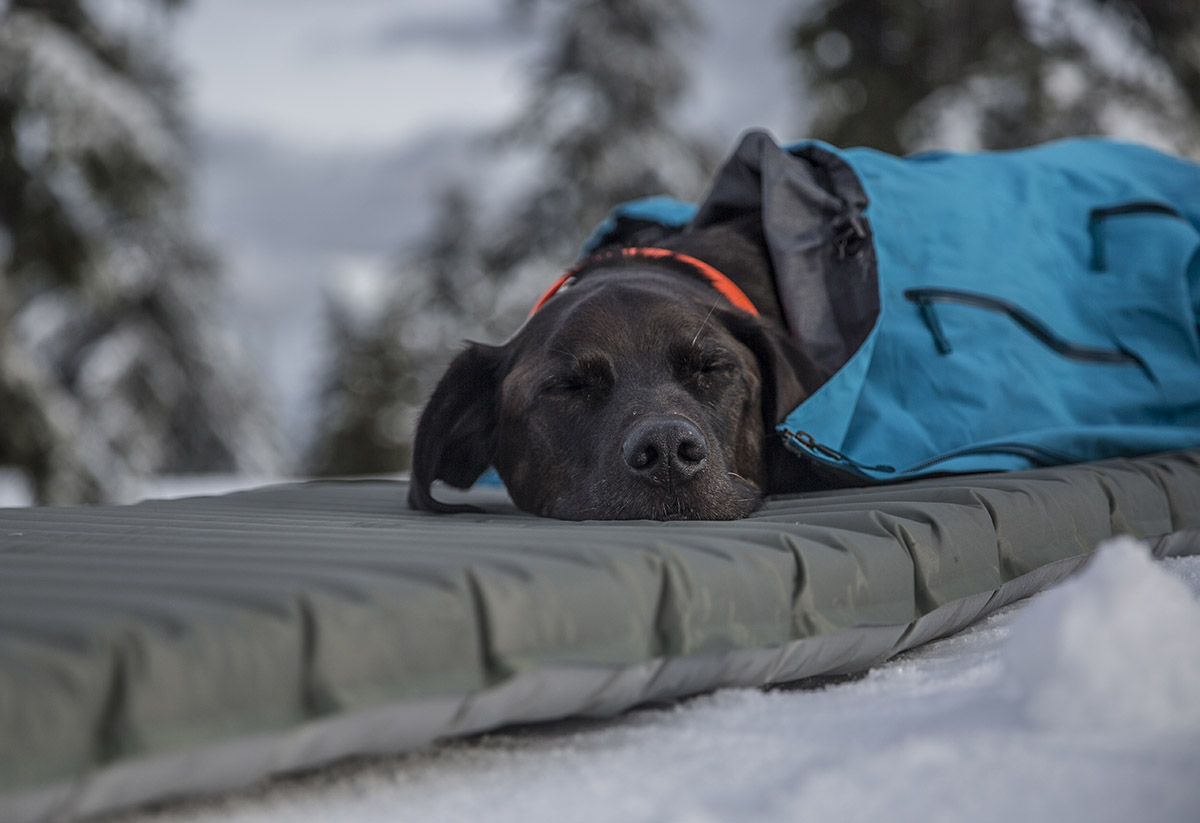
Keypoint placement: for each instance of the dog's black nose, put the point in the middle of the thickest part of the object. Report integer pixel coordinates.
(664, 449)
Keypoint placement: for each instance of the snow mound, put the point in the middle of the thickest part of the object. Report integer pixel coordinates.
(1112, 649)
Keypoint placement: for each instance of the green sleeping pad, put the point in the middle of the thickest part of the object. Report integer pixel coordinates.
(199, 645)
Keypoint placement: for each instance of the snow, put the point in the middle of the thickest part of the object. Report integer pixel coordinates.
(14, 488)
(176, 486)
(1149, 626)
(16, 492)
(1078, 705)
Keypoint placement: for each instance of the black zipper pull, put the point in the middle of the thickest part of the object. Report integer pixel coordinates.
(1099, 261)
(807, 442)
(930, 316)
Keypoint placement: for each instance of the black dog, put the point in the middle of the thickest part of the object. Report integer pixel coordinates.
(640, 391)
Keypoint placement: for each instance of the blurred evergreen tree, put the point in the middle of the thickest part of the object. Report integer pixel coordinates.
(598, 130)
(601, 121)
(902, 76)
(113, 365)
(1170, 30)
(370, 386)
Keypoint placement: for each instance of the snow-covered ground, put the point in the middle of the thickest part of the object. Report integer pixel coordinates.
(16, 492)
(1081, 704)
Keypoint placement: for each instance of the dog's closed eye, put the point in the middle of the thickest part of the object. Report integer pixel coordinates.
(704, 366)
(585, 377)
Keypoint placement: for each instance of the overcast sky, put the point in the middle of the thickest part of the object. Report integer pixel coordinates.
(356, 74)
(367, 73)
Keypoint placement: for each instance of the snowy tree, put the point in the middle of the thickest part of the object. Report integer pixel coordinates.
(370, 387)
(601, 121)
(951, 73)
(113, 365)
(598, 129)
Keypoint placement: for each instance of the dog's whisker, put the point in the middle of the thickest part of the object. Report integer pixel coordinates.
(707, 317)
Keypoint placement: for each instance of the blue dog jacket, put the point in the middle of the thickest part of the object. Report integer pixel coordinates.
(974, 312)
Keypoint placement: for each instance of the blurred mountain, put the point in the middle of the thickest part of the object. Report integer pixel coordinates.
(114, 361)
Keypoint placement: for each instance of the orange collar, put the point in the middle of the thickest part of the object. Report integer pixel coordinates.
(728, 289)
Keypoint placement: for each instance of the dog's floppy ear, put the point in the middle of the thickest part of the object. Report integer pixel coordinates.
(456, 435)
(788, 374)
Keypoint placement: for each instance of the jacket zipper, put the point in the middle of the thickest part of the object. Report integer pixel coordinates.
(1038, 455)
(801, 441)
(926, 297)
(1097, 218)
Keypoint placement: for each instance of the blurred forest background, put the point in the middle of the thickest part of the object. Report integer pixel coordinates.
(124, 356)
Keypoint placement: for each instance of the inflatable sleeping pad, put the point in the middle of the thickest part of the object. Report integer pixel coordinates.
(199, 645)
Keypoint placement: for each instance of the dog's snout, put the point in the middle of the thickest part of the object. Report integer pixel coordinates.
(665, 449)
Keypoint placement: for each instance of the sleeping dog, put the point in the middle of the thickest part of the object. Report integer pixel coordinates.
(958, 313)
(644, 389)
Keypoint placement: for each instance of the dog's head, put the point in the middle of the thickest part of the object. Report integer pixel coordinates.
(637, 393)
